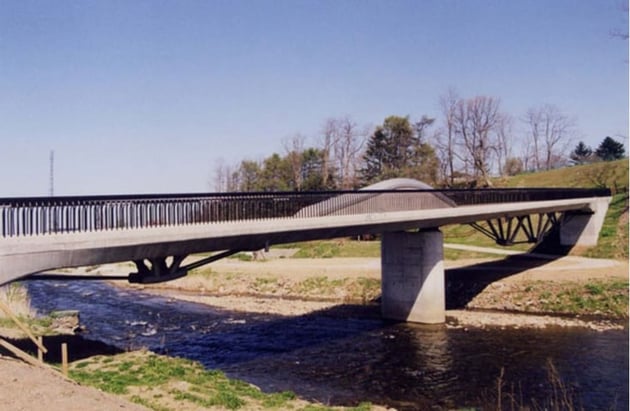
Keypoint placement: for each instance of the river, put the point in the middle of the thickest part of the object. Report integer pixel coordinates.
(342, 357)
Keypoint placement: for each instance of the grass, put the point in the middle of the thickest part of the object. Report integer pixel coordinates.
(265, 285)
(609, 298)
(38, 325)
(605, 297)
(560, 395)
(163, 383)
(341, 248)
(613, 237)
(127, 371)
(16, 297)
(361, 289)
(348, 248)
(610, 174)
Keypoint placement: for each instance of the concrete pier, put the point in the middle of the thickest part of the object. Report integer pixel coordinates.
(582, 228)
(412, 271)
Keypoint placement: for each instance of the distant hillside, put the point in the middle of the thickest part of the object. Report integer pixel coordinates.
(611, 174)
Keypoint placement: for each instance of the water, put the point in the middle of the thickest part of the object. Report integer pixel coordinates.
(342, 359)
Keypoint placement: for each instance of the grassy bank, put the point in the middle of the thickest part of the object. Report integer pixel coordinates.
(602, 298)
(608, 174)
(163, 383)
(15, 297)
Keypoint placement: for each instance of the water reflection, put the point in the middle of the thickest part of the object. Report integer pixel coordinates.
(346, 356)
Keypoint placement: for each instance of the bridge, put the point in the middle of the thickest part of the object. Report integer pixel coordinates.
(157, 232)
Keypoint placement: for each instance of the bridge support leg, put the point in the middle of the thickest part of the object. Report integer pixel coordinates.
(582, 228)
(412, 271)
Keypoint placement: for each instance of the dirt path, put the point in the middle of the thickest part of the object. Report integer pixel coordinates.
(28, 388)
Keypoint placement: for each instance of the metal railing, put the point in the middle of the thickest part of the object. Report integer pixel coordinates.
(51, 215)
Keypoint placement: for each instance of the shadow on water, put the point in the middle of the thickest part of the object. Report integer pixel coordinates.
(129, 320)
(347, 354)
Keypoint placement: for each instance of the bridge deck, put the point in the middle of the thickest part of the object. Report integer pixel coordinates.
(23, 255)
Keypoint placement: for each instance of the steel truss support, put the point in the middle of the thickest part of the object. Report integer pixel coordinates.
(159, 270)
(505, 231)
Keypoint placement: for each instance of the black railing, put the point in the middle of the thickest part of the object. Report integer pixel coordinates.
(51, 215)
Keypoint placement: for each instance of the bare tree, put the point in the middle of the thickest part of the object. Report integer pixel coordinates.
(550, 134)
(226, 177)
(329, 139)
(476, 121)
(348, 152)
(341, 145)
(294, 147)
(533, 121)
(445, 138)
(219, 176)
(504, 141)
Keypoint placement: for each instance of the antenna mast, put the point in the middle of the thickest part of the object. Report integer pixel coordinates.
(51, 188)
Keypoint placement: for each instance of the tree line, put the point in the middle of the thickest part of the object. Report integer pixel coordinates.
(472, 141)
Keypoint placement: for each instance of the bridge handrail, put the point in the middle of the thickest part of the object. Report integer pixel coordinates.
(28, 216)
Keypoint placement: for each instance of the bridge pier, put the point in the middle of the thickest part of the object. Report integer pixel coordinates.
(412, 276)
(582, 228)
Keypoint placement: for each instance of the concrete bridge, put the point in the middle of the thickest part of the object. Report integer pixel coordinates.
(158, 232)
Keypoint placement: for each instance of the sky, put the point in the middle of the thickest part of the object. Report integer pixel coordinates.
(150, 96)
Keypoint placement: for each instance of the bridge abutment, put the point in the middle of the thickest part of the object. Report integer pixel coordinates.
(582, 228)
(412, 275)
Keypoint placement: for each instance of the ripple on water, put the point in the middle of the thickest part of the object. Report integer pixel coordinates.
(343, 360)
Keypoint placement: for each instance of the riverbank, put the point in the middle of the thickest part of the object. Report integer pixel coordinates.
(294, 287)
(520, 291)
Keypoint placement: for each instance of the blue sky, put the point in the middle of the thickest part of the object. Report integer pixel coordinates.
(146, 96)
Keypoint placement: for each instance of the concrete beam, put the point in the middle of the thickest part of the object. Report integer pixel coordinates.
(412, 277)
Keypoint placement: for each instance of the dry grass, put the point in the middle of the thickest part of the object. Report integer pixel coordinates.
(16, 298)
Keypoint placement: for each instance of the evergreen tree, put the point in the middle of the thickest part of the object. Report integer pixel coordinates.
(312, 171)
(581, 154)
(610, 150)
(375, 157)
(395, 150)
(250, 176)
(276, 174)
